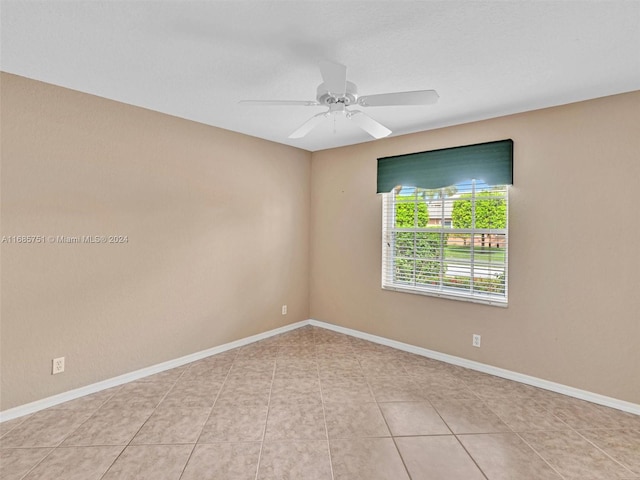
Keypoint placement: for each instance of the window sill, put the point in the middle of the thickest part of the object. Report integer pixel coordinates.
(482, 299)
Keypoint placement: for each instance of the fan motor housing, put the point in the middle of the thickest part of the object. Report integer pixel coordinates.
(325, 97)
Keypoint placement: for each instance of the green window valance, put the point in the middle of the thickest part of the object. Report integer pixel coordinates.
(490, 162)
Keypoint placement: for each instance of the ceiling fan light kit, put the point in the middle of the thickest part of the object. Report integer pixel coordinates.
(336, 93)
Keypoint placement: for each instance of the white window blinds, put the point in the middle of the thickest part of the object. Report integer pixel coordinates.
(450, 242)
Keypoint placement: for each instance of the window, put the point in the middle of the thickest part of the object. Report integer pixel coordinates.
(449, 242)
(443, 235)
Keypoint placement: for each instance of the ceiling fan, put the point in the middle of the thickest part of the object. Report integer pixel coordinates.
(337, 93)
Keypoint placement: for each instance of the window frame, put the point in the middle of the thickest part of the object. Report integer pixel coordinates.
(441, 290)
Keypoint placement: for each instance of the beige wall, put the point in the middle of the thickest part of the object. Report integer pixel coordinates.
(217, 227)
(193, 199)
(574, 291)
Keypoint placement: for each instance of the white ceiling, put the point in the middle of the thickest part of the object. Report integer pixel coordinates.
(197, 59)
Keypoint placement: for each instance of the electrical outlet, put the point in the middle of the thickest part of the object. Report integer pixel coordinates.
(57, 365)
(476, 340)
(284, 309)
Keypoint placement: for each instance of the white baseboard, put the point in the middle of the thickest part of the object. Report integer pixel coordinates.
(38, 405)
(481, 367)
(443, 357)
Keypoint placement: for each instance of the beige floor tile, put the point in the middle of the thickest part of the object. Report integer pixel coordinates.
(468, 374)
(417, 362)
(46, 428)
(396, 389)
(617, 419)
(348, 389)
(150, 462)
(295, 390)
(428, 372)
(8, 425)
(109, 427)
(16, 462)
(474, 378)
(324, 350)
(88, 402)
(75, 463)
(254, 368)
(304, 335)
(219, 461)
(621, 445)
(308, 460)
(377, 351)
(172, 425)
(443, 386)
(360, 344)
(257, 351)
(526, 415)
(584, 415)
(245, 391)
(235, 423)
(192, 394)
(367, 459)
(139, 395)
(553, 400)
(249, 383)
(339, 365)
(350, 420)
(373, 367)
(402, 357)
(220, 362)
(413, 418)
(297, 352)
(288, 368)
(437, 458)
(228, 397)
(336, 354)
(327, 336)
(429, 377)
(489, 386)
(296, 422)
(204, 370)
(504, 456)
(574, 457)
(469, 416)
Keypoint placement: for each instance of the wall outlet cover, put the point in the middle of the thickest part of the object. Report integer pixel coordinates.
(57, 365)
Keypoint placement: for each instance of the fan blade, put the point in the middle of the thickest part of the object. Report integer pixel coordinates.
(368, 124)
(334, 76)
(419, 97)
(309, 125)
(304, 103)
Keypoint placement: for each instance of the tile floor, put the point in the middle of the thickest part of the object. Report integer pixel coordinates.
(315, 404)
